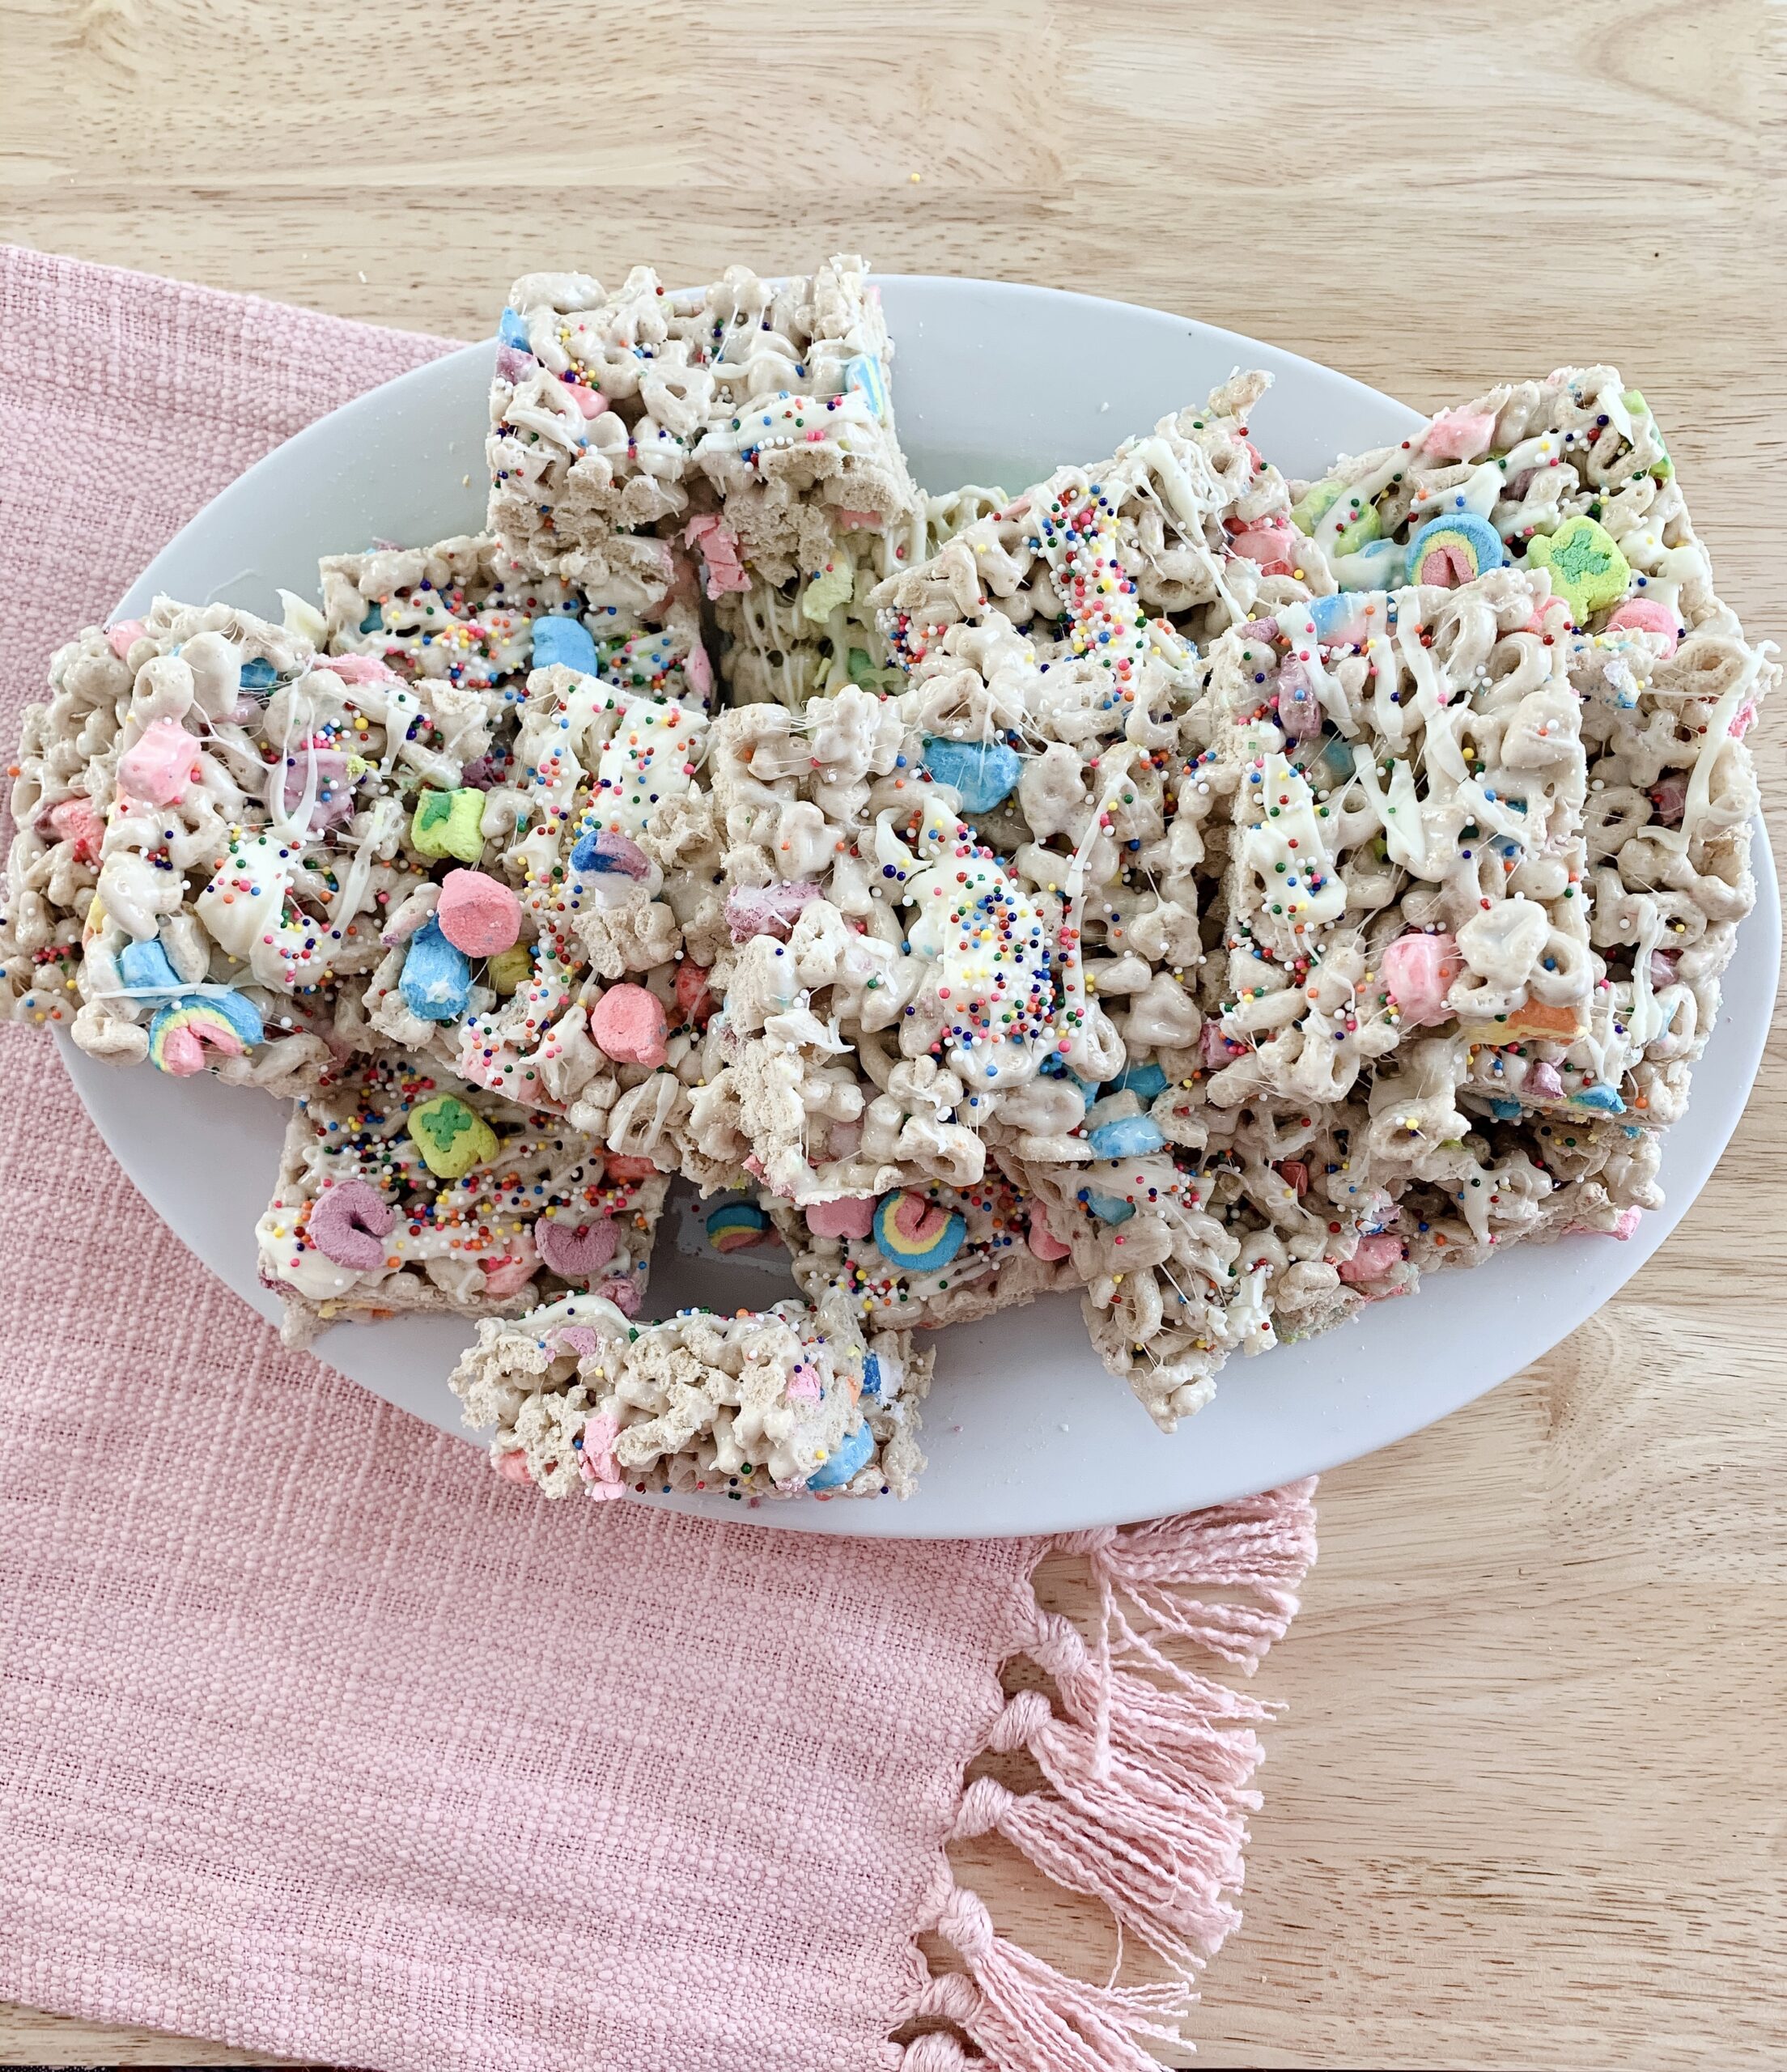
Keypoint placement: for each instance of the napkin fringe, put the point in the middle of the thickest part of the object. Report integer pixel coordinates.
(1149, 1768)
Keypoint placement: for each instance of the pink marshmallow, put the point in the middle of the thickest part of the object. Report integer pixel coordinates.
(1459, 434)
(158, 768)
(477, 914)
(858, 521)
(512, 1467)
(1373, 1260)
(76, 821)
(348, 1222)
(1743, 719)
(696, 1004)
(1646, 615)
(623, 1294)
(1041, 1240)
(1215, 1048)
(577, 1338)
(1266, 545)
(1662, 968)
(1669, 796)
(122, 636)
(359, 669)
(629, 1024)
(1294, 1173)
(514, 365)
(1544, 1082)
(591, 402)
(767, 910)
(576, 1251)
(700, 671)
(505, 1277)
(718, 548)
(183, 1050)
(1418, 971)
(845, 1216)
(617, 1165)
(803, 1384)
(600, 1471)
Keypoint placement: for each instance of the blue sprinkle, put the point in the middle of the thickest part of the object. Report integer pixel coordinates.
(258, 675)
(982, 774)
(1146, 1082)
(436, 984)
(1108, 1208)
(1129, 1136)
(853, 1451)
(513, 332)
(562, 639)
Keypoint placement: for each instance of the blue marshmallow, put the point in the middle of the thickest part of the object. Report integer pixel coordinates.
(1129, 1136)
(853, 1449)
(1108, 1208)
(512, 331)
(562, 639)
(1146, 1082)
(436, 984)
(1603, 1100)
(145, 969)
(1503, 1110)
(982, 774)
(258, 675)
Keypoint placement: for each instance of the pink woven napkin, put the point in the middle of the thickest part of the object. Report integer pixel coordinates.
(317, 1738)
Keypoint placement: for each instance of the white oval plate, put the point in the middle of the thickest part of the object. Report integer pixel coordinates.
(1025, 1430)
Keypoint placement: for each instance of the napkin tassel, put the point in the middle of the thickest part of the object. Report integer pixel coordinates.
(1147, 1766)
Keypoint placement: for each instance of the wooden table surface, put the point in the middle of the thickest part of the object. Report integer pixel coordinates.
(1526, 1809)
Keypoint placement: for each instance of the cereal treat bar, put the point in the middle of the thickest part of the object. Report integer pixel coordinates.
(781, 1402)
(1570, 475)
(750, 423)
(1570, 472)
(212, 821)
(402, 1190)
(926, 1256)
(819, 632)
(1405, 791)
(467, 612)
(571, 974)
(1186, 524)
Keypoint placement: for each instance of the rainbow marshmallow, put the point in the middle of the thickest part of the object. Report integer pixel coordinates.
(1449, 552)
(736, 1225)
(916, 1235)
(180, 1033)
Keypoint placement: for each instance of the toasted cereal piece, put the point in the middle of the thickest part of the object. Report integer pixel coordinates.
(401, 1189)
(781, 1402)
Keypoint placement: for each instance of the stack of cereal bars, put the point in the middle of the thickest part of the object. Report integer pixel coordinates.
(1225, 896)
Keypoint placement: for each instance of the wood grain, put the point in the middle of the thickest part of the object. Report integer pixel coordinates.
(1525, 1807)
